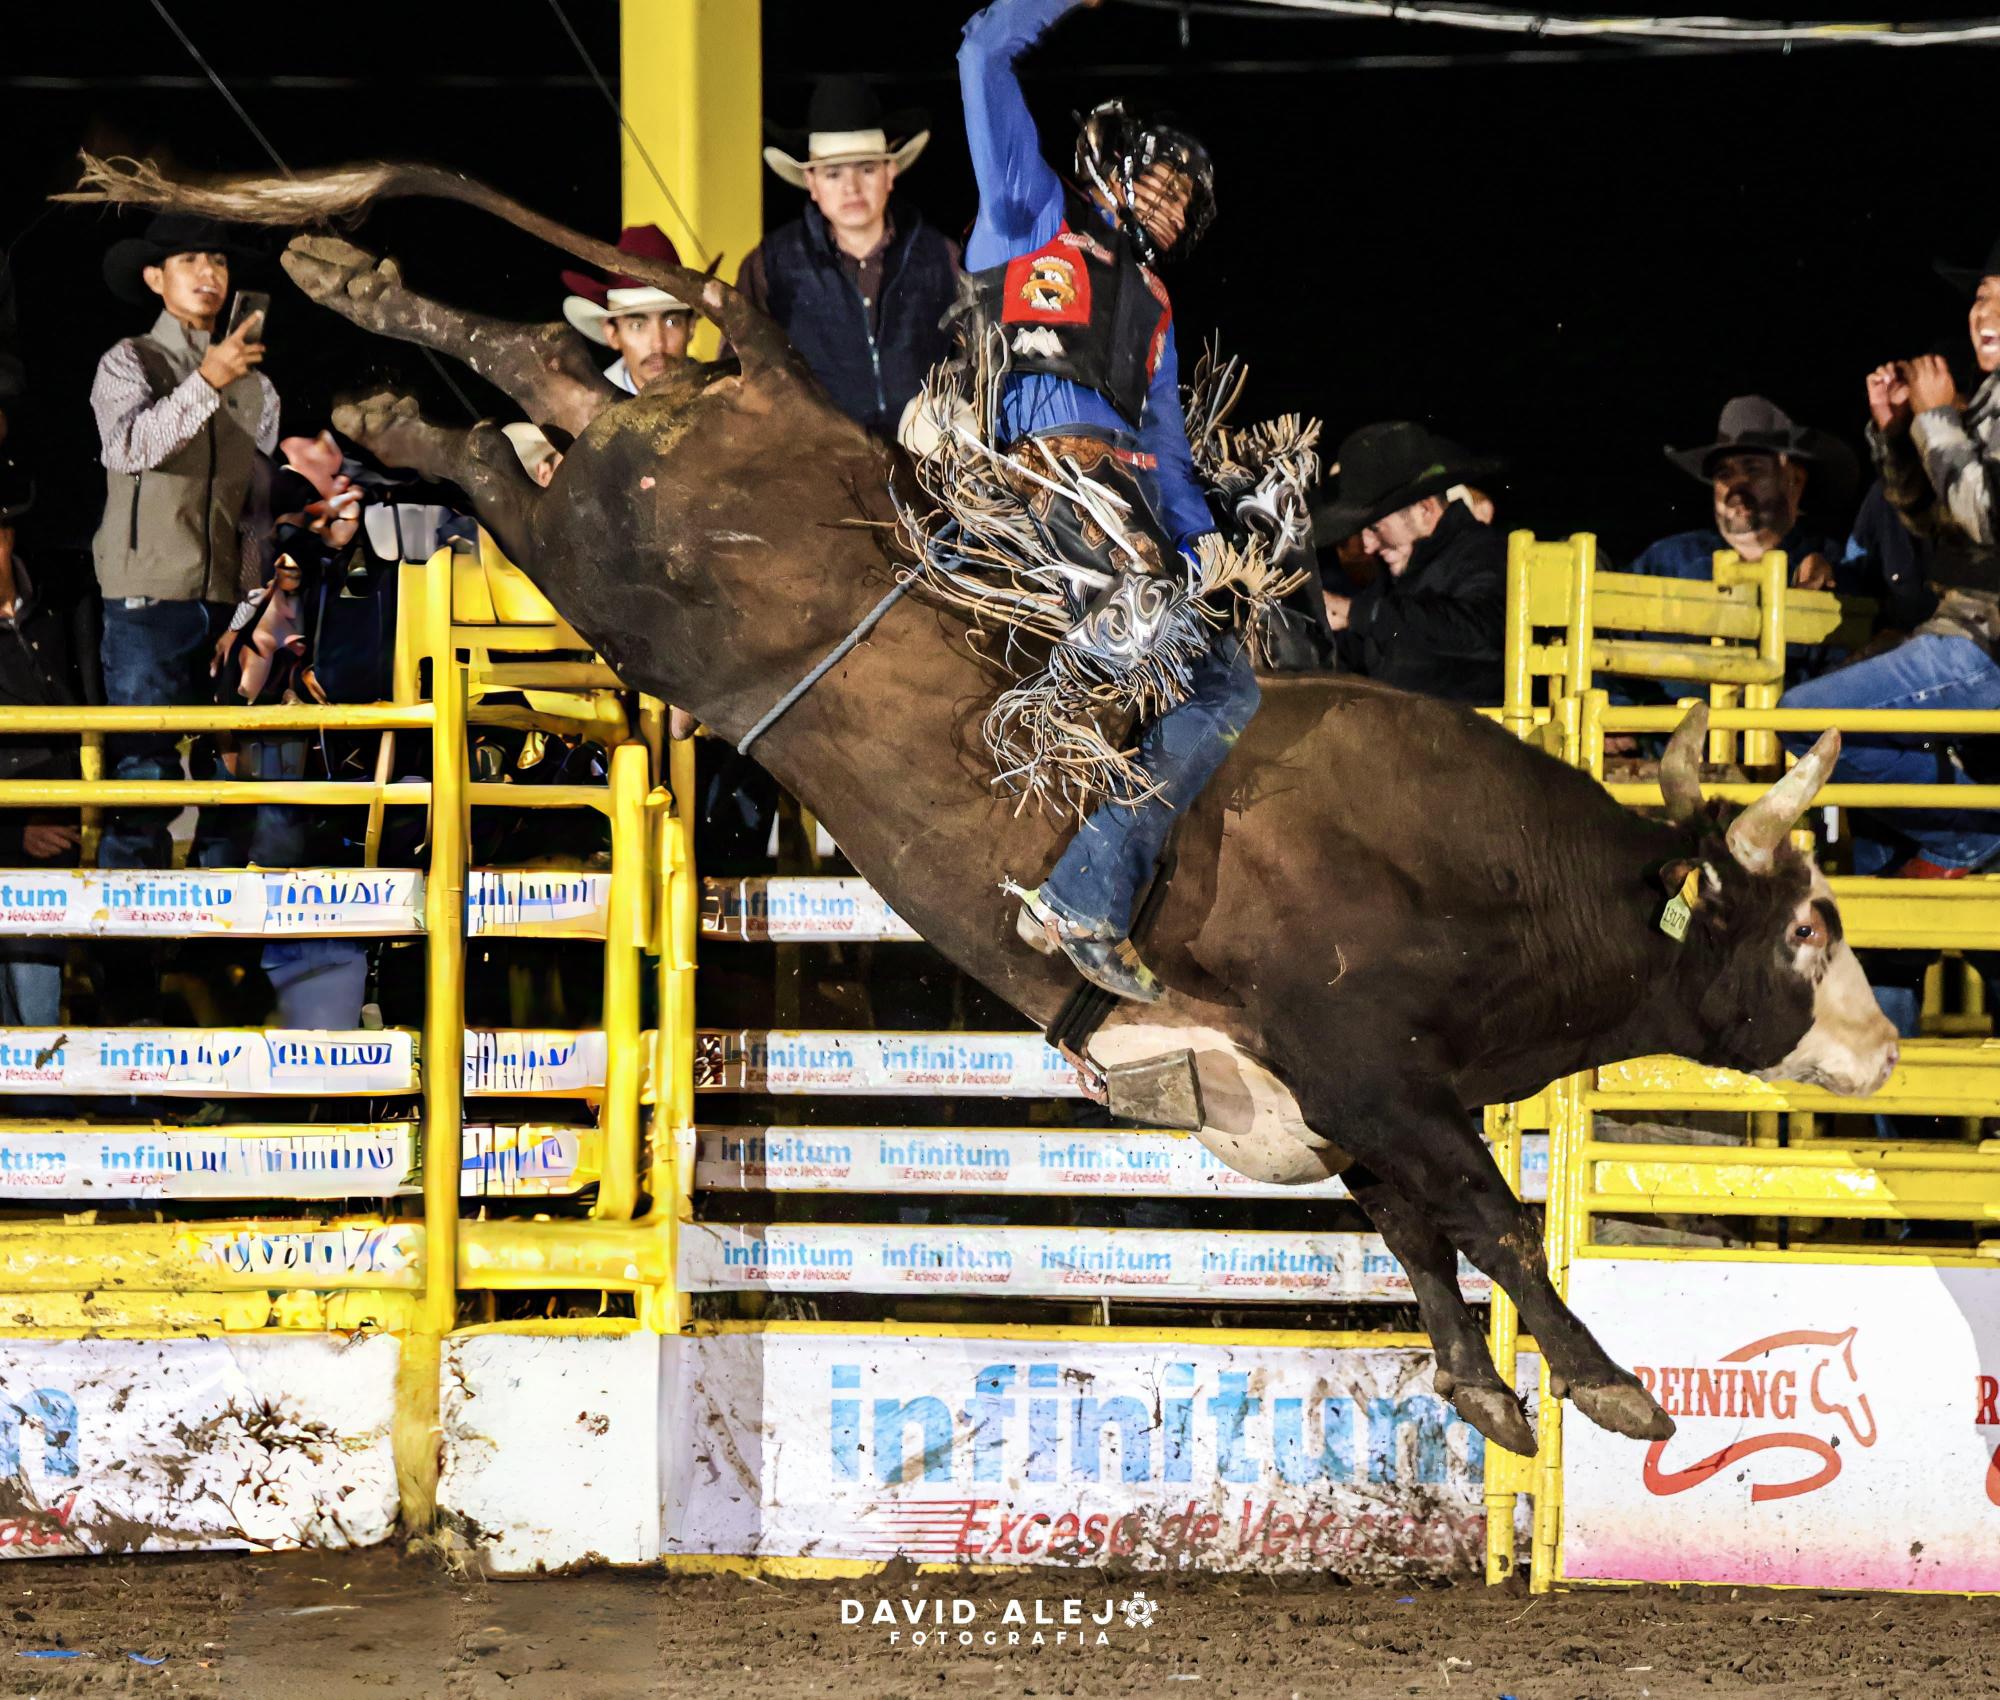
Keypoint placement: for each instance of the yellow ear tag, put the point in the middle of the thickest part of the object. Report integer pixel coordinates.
(1680, 907)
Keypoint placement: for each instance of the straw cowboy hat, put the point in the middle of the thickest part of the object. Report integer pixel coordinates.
(594, 300)
(1384, 468)
(165, 235)
(845, 125)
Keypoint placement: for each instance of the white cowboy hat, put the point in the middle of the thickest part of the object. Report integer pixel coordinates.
(530, 443)
(588, 316)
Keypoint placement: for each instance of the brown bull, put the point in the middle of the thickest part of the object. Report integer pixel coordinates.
(1387, 914)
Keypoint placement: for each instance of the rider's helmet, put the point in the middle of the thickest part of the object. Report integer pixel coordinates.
(1114, 149)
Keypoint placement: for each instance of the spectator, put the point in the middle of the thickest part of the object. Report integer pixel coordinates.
(1939, 458)
(1885, 560)
(1757, 469)
(35, 672)
(858, 280)
(268, 656)
(1433, 618)
(645, 327)
(181, 416)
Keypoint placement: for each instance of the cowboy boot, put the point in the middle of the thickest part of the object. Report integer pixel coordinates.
(1112, 963)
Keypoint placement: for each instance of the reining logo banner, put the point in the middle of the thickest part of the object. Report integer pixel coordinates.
(1837, 1426)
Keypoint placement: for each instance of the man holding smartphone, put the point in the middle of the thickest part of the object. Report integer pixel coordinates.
(182, 415)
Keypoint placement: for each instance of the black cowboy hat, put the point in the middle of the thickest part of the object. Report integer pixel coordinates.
(1754, 422)
(1385, 467)
(848, 103)
(1966, 278)
(847, 108)
(167, 234)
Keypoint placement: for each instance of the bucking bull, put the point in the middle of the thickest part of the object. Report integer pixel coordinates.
(1388, 912)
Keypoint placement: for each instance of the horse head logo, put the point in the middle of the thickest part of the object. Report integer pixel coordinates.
(1823, 1368)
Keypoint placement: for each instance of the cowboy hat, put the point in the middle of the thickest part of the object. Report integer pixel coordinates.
(1386, 467)
(845, 125)
(530, 443)
(1966, 278)
(594, 300)
(1752, 422)
(165, 235)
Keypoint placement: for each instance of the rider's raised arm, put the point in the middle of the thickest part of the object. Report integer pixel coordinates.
(1020, 196)
(1163, 434)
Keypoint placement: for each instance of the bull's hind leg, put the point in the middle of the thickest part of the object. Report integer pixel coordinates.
(1414, 1137)
(479, 460)
(548, 370)
(1466, 1374)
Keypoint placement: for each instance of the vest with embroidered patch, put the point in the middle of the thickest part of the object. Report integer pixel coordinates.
(1083, 306)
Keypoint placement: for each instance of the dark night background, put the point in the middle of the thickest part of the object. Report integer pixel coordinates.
(1566, 253)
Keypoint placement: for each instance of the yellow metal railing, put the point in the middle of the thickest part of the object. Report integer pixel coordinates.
(464, 620)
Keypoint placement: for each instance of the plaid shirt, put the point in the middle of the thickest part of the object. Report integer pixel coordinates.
(1942, 477)
(139, 429)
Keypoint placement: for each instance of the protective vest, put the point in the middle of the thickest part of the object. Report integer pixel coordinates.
(1082, 307)
(869, 372)
(171, 531)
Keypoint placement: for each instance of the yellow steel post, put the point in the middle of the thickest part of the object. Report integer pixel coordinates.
(90, 768)
(1569, 1126)
(1506, 1475)
(1582, 614)
(1760, 748)
(1590, 733)
(1517, 711)
(673, 1115)
(418, 1417)
(691, 87)
(624, 928)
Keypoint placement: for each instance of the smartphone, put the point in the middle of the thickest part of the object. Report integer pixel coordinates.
(250, 304)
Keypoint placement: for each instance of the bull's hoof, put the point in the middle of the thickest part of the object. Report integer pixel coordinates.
(1494, 1411)
(392, 427)
(337, 274)
(1624, 1407)
(373, 416)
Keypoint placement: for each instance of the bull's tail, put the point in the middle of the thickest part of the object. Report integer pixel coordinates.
(345, 192)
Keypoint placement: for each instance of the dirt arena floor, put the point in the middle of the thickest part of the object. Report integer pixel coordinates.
(382, 1626)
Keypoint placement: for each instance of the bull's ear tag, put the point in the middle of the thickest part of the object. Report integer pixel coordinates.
(1680, 907)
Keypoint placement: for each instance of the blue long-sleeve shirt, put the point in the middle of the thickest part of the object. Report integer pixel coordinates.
(1020, 209)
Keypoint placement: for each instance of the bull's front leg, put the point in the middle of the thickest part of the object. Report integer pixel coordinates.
(1410, 1133)
(1465, 1374)
(548, 370)
(479, 460)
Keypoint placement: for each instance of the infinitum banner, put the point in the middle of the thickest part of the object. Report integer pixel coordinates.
(255, 1441)
(989, 1451)
(1166, 1263)
(962, 1065)
(293, 902)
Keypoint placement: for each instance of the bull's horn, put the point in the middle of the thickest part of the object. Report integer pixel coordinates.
(1755, 834)
(1680, 767)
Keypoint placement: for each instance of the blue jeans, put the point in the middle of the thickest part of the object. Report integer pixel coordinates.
(157, 656)
(1926, 672)
(30, 989)
(320, 983)
(1100, 874)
